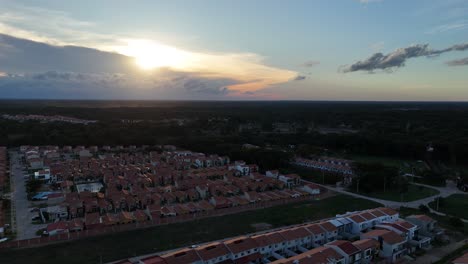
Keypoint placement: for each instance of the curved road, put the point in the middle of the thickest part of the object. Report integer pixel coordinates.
(450, 189)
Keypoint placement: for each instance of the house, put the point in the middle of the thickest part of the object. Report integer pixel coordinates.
(331, 232)
(213, 253)
(392, 245)
(93, 221)
(320, 255)
(290, 180)
(272, 174)
(350, 252)
(56, 228)
(461, 260)
(220, 202)
(318, 232)
(42, 175)
(243, 249)
(75, 225)
(296, 238)
(147, 260)
(269, 243)
(369, 249)
(311, 188)
(57, 212)
(182, 256)
(427, 225)
(36, 163)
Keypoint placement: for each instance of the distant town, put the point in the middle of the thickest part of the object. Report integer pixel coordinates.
(48, 119)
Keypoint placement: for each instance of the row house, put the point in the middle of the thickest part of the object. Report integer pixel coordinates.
(392, 245)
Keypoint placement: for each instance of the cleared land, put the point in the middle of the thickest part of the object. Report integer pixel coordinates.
(121, 245)
(456, 205)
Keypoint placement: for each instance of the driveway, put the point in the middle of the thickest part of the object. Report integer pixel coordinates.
(20, 204)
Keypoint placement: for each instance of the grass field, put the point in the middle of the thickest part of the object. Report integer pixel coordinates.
(387, 161)
(122, 245)
(456, 205)
(414, 193)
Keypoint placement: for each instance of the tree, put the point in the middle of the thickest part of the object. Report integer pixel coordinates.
(423, 208)
(456, 222)
(373, 177)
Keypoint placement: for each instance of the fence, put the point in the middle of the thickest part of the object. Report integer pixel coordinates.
(40, 241)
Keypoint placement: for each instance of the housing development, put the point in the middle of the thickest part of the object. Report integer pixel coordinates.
(91, 191)
(88, 189)
(373, 236)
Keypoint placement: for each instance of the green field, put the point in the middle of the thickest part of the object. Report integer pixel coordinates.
(138, 242)
(387, 161)
(414, 193)
(456, 205)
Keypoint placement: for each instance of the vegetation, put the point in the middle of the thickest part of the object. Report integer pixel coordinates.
(442, 221)
(453, 205)
(32, 186)
(127, 244)
(383, 129)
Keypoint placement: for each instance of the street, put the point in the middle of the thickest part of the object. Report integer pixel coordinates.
(20, 204)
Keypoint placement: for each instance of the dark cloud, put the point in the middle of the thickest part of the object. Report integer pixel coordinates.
(460, 62)
(37, 70)
(205, 87)
(30, 56)
(300, 78)
(165, 84)
(397, 58)
(309, 64)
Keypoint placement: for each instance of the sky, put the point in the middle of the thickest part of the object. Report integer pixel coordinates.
(379, 50)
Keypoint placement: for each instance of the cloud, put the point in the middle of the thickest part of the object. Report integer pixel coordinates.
(458, 25)
(369, 1)
(460, 62)
(300, 78)
(56, 29)
(396, 59)
(164, 84)
(310, 64)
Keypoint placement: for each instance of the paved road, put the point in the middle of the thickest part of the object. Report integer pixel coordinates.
(24, 228)
(443, 192)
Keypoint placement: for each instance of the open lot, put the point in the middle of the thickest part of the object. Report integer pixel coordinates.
(138, 242)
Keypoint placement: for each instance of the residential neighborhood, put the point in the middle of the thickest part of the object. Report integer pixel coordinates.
(372, 236)
(91, 188)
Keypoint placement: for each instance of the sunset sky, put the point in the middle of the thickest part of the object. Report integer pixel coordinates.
(235, 49)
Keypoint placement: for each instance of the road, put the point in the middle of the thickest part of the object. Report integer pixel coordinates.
(450, 189)
(20, 204)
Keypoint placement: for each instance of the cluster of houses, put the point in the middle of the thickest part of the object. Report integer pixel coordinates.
(3, 182)
(48, 119)
(3, 168)
(113, 188)
(328, 164)
(369, 236)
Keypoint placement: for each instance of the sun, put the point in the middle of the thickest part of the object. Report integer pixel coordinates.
(151, 55)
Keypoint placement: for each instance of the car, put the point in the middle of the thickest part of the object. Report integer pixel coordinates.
(35, 209)
(35, 218)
